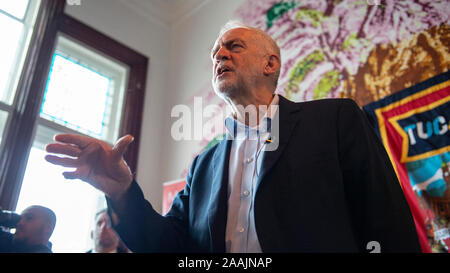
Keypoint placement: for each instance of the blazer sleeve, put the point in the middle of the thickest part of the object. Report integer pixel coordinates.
(377, 205)
(142, 229)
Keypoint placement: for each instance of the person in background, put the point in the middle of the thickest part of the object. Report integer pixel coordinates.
(33, 232)
(105, 238)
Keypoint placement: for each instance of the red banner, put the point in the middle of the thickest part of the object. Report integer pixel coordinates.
(413, 125)
(170, 190)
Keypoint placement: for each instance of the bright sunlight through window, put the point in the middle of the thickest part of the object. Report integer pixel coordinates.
(66, 95)
(84, 95)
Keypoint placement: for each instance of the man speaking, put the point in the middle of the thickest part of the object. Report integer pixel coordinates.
(298, 177)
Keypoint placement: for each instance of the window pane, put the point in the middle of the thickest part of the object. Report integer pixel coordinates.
(85, 90)
(74, 202)
(3, 119)
(16, 8)
(73, 87)
(9, 54)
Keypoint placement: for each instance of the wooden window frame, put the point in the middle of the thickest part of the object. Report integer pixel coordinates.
(18, 133)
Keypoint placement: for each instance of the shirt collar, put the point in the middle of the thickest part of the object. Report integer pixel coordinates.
(236, 128)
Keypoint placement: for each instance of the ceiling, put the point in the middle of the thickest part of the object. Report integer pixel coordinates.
(167, 12)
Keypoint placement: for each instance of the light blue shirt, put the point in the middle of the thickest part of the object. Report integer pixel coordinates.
(244, 168)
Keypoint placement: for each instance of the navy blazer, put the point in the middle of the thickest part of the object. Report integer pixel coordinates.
(329, 187)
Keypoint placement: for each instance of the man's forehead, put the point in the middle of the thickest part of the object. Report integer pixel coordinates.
(31, 211)
(234, 33)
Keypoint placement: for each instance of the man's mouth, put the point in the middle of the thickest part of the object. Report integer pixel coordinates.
(223, 70)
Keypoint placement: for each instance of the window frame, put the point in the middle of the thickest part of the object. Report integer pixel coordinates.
(25, 111)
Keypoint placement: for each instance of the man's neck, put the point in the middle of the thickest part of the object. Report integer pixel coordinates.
(30, 242)
(105, 250)
(250, 109)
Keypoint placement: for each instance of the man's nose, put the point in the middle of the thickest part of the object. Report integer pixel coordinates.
(222, 54)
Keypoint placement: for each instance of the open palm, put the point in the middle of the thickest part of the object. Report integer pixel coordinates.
(96, 162)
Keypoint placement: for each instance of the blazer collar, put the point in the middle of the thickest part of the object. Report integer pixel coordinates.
(283, 124)
(218, 203)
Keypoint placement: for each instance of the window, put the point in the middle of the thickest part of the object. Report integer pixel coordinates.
(84, 95)
(75, 80)
(16, 20)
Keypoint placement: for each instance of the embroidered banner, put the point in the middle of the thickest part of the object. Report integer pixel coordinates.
(413, 125)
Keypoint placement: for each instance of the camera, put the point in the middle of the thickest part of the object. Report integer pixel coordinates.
(8, 219)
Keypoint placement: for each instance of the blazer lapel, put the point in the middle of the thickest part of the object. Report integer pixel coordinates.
(217, 215)
(281, 130)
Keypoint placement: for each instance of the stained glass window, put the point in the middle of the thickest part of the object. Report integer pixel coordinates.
(76, 96)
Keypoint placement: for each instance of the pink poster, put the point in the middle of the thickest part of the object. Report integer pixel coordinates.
(170, 190)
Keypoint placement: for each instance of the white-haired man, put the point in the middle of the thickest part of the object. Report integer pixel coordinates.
(314, 178)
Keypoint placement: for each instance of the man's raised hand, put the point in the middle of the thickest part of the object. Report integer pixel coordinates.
(96, 162)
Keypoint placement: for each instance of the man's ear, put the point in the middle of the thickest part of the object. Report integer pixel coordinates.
(273, 64)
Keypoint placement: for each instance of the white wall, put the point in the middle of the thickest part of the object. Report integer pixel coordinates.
(152, 39)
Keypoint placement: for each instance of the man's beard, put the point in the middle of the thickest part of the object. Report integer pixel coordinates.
(107, 242)
(229, 89)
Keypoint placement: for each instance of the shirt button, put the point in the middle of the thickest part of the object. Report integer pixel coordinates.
(246, 193)
(249, 160)
(241, 230)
